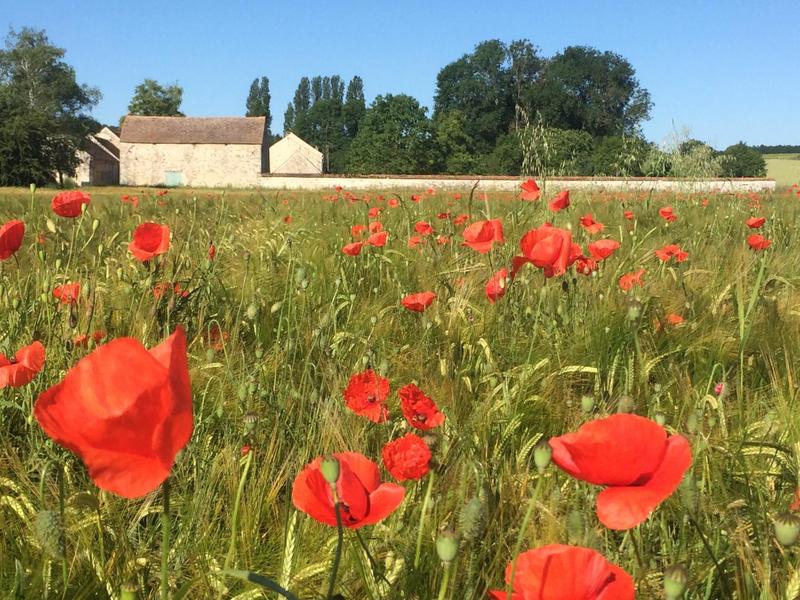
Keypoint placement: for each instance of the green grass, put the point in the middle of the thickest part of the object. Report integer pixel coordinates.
(302, 318)
(783, 168)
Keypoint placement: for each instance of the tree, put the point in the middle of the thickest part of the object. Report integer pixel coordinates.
(354, 106)
(479, 85)
(43, 110)
(740, 160)
(150, 98)
(395, 136)
(258, 100)
(583, 88)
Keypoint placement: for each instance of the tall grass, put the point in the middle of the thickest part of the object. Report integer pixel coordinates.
(300, 318)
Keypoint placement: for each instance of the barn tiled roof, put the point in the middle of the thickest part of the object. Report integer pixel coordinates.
(193, 130)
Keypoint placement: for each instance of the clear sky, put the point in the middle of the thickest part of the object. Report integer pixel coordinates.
(725, 69)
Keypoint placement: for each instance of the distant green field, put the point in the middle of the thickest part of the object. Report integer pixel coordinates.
(783, 168)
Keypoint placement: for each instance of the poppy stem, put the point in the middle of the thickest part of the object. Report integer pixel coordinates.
(235, 515)
(521, 535)
(338, 556)
(425, 502)
(445, 581)
(61, 496)
(165, 526)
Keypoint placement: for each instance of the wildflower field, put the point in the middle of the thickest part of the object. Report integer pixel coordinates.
(414, 394)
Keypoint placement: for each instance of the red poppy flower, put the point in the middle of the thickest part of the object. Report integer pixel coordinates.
(407, 457)
(758, 242)
(363, 499)
(497, 285)
(460, 220)
(353, 249)
(11, 235)
(216, 338)
(83, 339)
(602, 249)
(590, 225)
(418, 302)
(667, 214)
(68, 204)
(416, 197)
(560, 202)
(585, 265)
(366, 395)
(393, 202)
(418, 409)
(632, 457)
(160, 288)
(125, 411)
(530, 191)
(357, 230)
(441, 240)
(560, 572)
(755, 222)
(414, 241)
(548, 248)
(627, 281)
(423, 228)
(20, 370)
(375, 227)
(671, 250)
(675, 320)
(374, 212)
(430, 192)
(628, 215)
(212, 251)
(149, 240)
(67, 293)
(443, 215)
(378, 239)
(287, 219)
(482, 235)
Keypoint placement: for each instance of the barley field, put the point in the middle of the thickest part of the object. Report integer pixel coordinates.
(396, 395)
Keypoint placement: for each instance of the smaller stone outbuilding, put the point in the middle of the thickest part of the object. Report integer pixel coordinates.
(293, 156)
(193, 151)
(99, 159)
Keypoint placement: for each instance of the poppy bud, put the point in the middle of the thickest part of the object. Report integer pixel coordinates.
(575, 527)
(542, 454)
(51, 227)
(689, 494)
(15, 303)
(33, 188)
(634, 310)
(675, 579)
(58, 263)
(252, 311)
(472, 519)
(249, 423)
(330, 469)
(447, 546)
(587, 403)
(95, 224)
(625, 404)
(128, 592)
(259, 353)
(49, 531)
(692, 422)
(787, 528)
(660, 419)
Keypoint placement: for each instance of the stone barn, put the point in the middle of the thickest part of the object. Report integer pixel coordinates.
(193, 151)
(99, 159)
(293, 156)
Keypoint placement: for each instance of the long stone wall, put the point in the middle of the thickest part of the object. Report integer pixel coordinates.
(510, 184)
(198, 165)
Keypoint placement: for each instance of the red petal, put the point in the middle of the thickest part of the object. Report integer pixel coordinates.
(626, 507)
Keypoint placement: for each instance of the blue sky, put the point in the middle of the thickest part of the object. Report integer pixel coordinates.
(725, 69)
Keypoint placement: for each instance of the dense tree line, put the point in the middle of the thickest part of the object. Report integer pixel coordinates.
(780, 149)
(500, 109)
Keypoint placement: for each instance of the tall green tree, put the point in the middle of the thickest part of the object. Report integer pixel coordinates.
(598, 92)
(258, 100)
(395, 136)
(44, 111)
(740, 160)
(150, 98)
(354, 106)
(479, 86)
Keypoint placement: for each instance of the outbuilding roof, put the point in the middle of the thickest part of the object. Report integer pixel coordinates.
(193, 130)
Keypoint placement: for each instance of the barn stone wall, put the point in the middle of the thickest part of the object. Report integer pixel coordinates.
(199, 165)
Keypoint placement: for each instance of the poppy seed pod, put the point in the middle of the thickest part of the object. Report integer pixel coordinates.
(787, 528)
(447, 546)
(330, 469)
(472, 519)
(542, 454)
(625, 404)
(49, 531)
(587, 403)
(675, 579)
